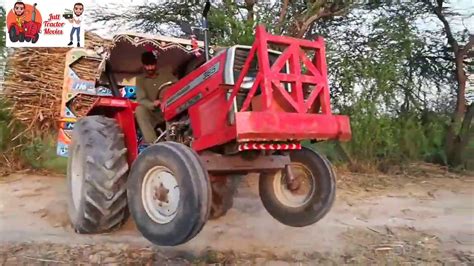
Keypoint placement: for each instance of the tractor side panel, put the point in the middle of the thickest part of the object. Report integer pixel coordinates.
(193, 88)
(209, 128)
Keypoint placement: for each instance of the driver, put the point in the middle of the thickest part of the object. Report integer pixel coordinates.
(148, 113)
(19, 10)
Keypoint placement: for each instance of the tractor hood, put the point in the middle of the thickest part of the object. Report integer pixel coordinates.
(127, 48)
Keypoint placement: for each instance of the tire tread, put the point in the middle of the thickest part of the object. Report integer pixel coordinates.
(105, 200)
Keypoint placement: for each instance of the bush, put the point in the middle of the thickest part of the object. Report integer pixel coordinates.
(383, 140)
(40, 153)
(399, 139)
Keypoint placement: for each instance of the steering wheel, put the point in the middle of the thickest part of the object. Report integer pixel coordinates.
(162, 89)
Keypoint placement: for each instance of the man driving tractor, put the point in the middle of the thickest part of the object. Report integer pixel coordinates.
(19, 10)
(148, 112)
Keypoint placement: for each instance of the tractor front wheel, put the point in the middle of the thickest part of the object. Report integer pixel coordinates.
(169, 193)
(96, 176)
(308, 197)
(224, 189)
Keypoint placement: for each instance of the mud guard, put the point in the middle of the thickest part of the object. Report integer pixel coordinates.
(121, 110)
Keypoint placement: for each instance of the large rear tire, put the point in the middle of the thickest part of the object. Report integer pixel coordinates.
(224, 189)
(96, 176)
(311, 198)
(169, 193)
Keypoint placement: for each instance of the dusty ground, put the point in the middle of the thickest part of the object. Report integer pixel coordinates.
(424, 216)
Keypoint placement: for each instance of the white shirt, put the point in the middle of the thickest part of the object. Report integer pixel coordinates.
(74, 24)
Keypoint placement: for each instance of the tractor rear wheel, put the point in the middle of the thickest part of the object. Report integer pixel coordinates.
(35, 38)
(311, 195)
(224, 189)
(96, 176)
(169, 193)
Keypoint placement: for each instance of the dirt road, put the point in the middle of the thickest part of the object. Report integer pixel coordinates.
(417, 219)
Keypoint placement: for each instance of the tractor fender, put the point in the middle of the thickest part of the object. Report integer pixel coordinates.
(122, 110)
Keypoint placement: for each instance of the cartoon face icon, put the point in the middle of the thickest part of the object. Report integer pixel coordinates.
(19, 8)
(78, 9)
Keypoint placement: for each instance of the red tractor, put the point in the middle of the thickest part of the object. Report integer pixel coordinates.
(29, 31)
(245, 110)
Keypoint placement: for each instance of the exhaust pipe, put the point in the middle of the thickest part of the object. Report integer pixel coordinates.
(204, 25)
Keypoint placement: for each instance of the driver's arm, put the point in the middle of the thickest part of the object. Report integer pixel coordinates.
(142, 95)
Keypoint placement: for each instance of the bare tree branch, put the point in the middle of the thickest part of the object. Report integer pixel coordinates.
(438, 11)
(468, 46)
(284, 9)
(323, 13)
(249, 5)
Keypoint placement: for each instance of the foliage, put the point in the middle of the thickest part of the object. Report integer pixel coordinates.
(2, 41)
(2, 28)
(460, 44)
(5, 130)
(378, 137)
(230, 21)
(395, 79)
(9, 130)
(40, 153)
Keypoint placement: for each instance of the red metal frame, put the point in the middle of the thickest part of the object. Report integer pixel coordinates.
(270, 79)
(276, 114)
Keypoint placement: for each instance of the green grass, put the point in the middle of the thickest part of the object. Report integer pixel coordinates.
(41, 154)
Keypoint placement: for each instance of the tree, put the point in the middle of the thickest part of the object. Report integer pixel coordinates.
(229, 21)
(389, 75)
(296, 18)
(460, 130)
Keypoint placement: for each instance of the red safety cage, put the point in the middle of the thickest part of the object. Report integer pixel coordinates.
(305, 112)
